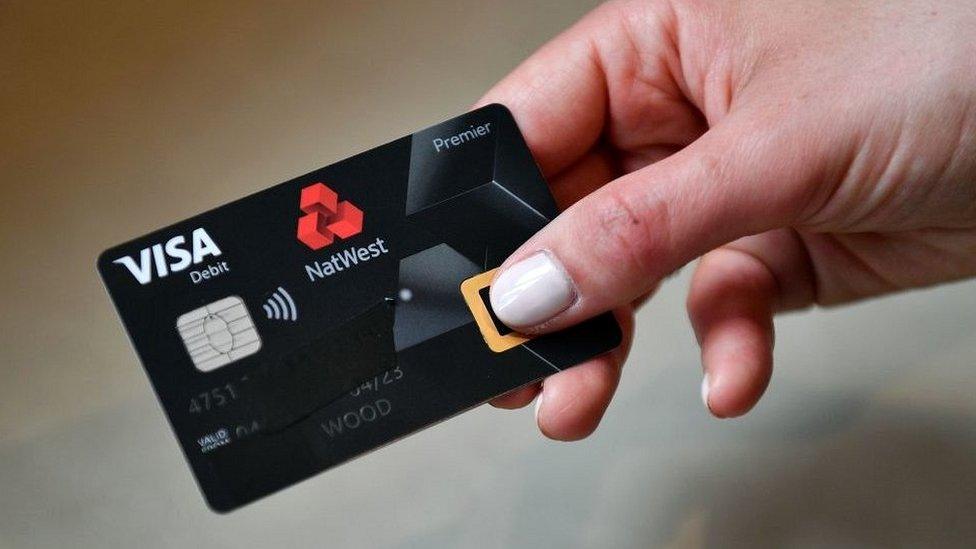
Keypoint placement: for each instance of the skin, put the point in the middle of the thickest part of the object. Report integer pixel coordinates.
(808, 152)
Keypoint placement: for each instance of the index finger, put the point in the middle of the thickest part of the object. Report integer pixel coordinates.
(558, 97)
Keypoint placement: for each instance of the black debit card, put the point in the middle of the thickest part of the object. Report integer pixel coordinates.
(309, 323)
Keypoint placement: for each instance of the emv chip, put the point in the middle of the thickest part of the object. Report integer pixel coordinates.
(498, 336)
(219, 333)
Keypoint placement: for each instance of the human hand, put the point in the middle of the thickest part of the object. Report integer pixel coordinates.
(814, 152)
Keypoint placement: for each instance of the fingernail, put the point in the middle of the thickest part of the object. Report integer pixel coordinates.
(538, 404)
(532, 291)
(704, 392)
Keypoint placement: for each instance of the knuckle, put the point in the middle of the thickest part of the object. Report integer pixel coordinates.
(710, 169)
(631, 229)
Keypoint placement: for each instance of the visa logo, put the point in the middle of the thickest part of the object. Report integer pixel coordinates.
(171, 257)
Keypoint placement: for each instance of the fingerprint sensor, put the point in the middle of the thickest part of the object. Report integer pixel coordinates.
(501, 327)
(498, 336)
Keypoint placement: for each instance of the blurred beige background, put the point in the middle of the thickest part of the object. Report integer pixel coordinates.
(120, 117)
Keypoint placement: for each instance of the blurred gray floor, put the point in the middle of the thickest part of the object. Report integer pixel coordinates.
(117, 119)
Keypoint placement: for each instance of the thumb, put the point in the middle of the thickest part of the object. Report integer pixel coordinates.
(739, 178)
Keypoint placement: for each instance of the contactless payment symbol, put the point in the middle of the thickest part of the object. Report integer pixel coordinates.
(326, 217)
(280, 306)
(219, 333)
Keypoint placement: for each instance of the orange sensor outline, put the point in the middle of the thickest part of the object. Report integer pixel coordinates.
(495, 340)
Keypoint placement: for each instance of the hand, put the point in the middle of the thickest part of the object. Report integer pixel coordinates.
(814, 152)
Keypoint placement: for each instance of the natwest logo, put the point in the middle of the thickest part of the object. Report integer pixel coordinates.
(325, 217)
(172, 256)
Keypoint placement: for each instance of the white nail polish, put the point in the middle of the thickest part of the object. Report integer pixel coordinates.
(532, 291)
(704, 392)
